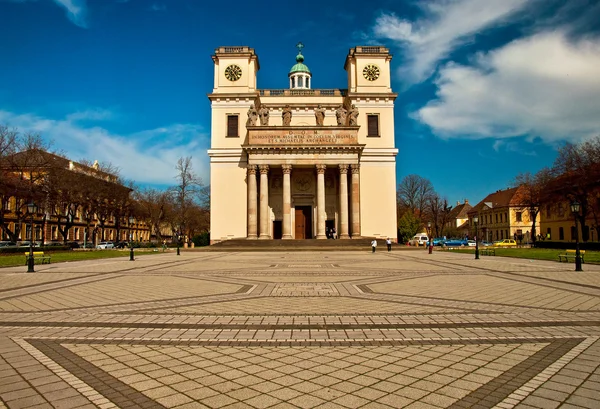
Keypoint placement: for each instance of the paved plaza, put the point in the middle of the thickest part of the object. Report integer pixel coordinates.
(329, 329)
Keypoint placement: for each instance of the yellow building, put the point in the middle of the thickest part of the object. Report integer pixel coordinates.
(294, 163)
(502, 215)
(558, 224)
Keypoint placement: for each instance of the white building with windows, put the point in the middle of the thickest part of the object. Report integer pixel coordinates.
(292, 163)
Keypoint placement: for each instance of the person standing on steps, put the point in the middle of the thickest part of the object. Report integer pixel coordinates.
(374, 245)
(389, 244)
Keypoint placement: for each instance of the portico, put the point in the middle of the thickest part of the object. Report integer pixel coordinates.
(300, 167)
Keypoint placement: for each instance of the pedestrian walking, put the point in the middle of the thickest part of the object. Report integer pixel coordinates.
(389, 244)
(374, 245)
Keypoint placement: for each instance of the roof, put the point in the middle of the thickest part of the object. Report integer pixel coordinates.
(460, 211)
(299, 66)
(499, 199)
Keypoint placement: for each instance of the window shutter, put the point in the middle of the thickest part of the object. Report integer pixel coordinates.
(372, 125)
(232, 125)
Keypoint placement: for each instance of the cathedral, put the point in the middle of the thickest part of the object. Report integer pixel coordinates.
(296, 163)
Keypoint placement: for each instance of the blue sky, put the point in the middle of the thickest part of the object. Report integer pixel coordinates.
(486, 88)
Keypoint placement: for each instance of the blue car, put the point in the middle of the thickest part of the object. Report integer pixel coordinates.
(456, 243)
(437, 241)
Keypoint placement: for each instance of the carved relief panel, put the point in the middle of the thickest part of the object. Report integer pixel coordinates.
(303, 183)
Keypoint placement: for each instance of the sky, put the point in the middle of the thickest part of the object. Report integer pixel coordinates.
(487, 89)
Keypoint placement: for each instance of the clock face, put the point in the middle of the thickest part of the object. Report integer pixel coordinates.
(371, 72)
(233, 72)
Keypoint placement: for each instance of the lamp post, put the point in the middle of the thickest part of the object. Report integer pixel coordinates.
(131, 220)
(476, 222)
(177, 238)
(430, 238)
(31, 208)
(575, 210)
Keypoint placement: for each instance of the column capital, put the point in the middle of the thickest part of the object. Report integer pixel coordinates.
(355, 168)
(287, 169)
(321, 168)
(264, 169)
(343, 169)
(251, 169)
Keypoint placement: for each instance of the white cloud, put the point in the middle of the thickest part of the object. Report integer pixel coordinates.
(445, 25)
(541, 86)
(76, 11)
(146, 157)
(91, 115)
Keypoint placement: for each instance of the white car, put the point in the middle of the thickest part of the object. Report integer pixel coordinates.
(471, 243)
(419, 240)
(106, 245)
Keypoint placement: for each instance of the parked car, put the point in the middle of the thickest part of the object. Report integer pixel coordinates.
(121, 245)
(105, 245)
(455, 243)
(5, 244)
(437, 241)
(471, 243)
(486, 243)
(505, 243)
(419, 240)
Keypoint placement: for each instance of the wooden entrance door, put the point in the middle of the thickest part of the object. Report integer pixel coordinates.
(303, 226)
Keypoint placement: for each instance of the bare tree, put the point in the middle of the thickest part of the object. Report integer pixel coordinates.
(533, 193)
(155, 208)
(413, 194)
(186, 193)
(577, 171)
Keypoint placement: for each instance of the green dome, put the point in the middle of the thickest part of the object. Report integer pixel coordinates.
(299, 66)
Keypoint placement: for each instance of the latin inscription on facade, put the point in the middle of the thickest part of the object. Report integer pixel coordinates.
(303, 137)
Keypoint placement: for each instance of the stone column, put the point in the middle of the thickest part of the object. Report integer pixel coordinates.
(287, 202)
(264, 202)
(355, 200)
(252, 203)
(321, 215)
(344, 202)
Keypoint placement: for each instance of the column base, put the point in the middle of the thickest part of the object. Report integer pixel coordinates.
(264, 237)
(344, 236)
(287, 237)
(252, 237)
(321, 236)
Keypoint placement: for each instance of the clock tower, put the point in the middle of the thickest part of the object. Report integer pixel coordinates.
(235, 70)
(368, 69)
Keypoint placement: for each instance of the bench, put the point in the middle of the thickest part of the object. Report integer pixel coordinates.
(571, 254)
(487, 251)
(38, 255)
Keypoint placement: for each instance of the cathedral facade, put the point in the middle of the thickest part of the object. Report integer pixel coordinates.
(296, 163)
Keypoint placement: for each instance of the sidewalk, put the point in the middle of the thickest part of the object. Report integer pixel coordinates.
(303, 329)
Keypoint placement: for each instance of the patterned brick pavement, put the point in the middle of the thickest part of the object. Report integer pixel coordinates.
(301, 330)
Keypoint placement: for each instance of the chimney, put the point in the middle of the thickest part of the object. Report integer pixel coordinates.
(458, 202)
(96, 165)
(466, 201)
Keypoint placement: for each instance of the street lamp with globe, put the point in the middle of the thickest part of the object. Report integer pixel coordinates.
(430, 238)
(575, 206)
(131, 221)
(32, 209)
(476, 223)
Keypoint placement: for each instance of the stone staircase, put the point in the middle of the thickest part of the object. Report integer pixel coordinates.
(302, 245)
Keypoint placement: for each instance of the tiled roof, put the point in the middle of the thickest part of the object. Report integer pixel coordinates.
(460, 211)
(500, 198)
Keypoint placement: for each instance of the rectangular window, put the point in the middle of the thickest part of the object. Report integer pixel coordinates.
(76, 233)
(496, 217)
(561, 233)
(372, 125)
(232, 126)
(518, 216)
